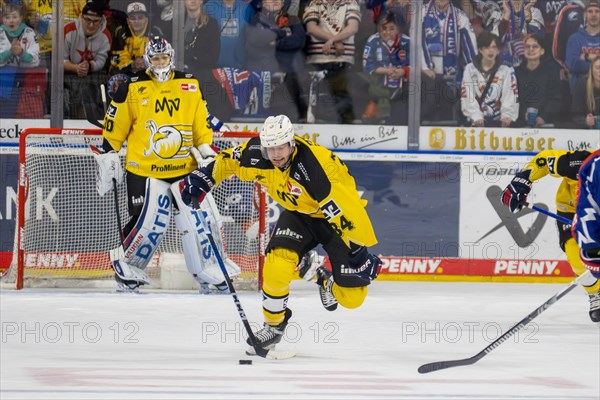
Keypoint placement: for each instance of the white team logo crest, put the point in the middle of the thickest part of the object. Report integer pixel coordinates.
(169, 141)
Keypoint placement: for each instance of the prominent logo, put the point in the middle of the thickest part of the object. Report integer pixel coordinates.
(167, 104)
(511, 221)
(168, 141)
(437, 138)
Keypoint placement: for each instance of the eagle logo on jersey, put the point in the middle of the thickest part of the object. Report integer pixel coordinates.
(169, 141)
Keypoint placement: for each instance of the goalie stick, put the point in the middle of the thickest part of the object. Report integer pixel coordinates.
(436, 366)
(264, 353)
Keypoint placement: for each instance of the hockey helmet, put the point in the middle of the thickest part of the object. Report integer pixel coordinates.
(276, 131)
(158, 46)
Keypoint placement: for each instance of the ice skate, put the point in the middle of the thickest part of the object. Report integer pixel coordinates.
(325, 282)
(269, 335)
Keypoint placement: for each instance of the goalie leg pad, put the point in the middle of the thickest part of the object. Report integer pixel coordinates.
(198, 253)
(151, 226)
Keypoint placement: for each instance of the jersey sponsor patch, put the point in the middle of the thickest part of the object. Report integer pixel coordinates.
(295, 190)
(189, 87)
(112, 111)
(331, 210)
(289, 233)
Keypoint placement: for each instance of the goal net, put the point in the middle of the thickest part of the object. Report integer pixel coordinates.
(65, 230)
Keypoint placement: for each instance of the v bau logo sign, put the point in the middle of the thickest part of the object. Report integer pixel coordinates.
(509, 221)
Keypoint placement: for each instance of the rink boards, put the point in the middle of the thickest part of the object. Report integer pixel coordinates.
(436, 212)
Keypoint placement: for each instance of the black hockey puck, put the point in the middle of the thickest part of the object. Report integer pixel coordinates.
(245, 362)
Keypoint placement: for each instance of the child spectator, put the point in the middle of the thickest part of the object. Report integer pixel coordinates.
(18, 43)
(386, 59)
(489, 95)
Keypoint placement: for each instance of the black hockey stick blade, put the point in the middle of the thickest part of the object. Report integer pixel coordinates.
(90, 110)
(261, 352)
(436, 366)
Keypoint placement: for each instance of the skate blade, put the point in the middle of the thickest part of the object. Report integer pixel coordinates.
(273, 354)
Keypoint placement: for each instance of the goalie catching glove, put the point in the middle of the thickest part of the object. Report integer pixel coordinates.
(363, 264)
(196, 185)
(109, 168)
(515, 195)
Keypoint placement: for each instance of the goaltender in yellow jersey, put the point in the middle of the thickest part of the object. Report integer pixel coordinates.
(161, 114)
(161, 122)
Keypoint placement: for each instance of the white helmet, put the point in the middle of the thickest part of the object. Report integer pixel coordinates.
(276, 131)
(157, 46)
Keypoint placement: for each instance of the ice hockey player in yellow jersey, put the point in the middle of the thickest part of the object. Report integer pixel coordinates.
(565, 165)
(321, 206)
(162, 115)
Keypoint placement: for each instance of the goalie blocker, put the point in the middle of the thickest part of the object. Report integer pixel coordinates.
(159, 200)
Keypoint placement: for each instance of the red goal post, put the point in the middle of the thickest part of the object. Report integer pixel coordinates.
(65, 230)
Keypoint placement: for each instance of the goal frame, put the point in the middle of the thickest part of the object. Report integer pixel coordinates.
(22, 196)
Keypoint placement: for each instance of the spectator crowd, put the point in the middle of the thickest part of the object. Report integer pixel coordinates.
(509, 63)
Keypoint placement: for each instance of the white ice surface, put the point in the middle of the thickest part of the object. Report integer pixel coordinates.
(59, 344)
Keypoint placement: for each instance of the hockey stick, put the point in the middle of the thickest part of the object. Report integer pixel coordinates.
(436, 366)
(118, 213)
(264, 353)
(88, 110)
(549, 213)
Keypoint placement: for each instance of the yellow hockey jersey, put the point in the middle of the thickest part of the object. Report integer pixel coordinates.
(160, 121)
(316, 183)
(559, 164)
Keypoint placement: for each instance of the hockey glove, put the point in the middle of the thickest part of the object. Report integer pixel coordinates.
(109, 168)
(196, 185)
(364, 265)
(515, 195)
(591, 259)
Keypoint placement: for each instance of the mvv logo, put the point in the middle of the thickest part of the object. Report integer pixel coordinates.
(169, 104)
(511, 221)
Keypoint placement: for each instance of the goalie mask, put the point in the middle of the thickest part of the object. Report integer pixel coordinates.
(277, 131)
(158, 58)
